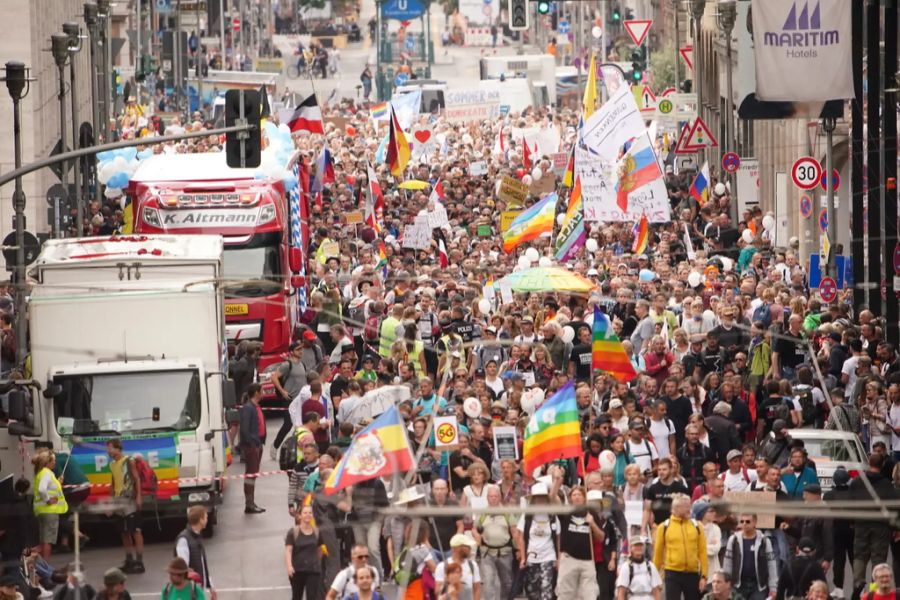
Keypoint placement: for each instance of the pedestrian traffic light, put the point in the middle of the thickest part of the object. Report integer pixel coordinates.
(543, 7)
(638, 63)
(616, 16)
(518, 15)
(242, 148)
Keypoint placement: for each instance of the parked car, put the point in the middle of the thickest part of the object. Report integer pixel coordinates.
(830, 450)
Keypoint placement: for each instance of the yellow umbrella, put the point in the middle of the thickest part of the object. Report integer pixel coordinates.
(547, 279)
(414, 184)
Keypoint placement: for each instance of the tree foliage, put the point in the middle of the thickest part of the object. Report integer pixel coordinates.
(662, 67)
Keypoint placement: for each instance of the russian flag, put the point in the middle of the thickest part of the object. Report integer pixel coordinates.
(700, 187)
(307, 117)
(639, 167)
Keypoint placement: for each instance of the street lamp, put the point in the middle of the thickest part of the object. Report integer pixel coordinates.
(17, 84)
(59, 46)
(698, 7)
(92, 21)
(104, 13)
(72, 30)
(727, 16)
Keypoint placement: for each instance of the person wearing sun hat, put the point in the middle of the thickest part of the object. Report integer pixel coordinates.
(462, 547)
(538, 535)
(180, 587)
(114, 586)
(638, 578)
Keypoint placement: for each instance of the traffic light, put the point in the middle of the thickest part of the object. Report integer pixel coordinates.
(638, 63)
(616, 16)
(518, 15)
(246, 104)
(543, 7)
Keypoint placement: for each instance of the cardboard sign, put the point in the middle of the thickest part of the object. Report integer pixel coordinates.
(354, 217)
(478, 168)
(505, 443)
(340, 123)
(446, 433)
(331, 248)
(417, 237)
(764, 520)
(506, 219)
(438, 217)
(512, 191)
(543, 186)
(485, 231)
(559, 163)
(506, 293)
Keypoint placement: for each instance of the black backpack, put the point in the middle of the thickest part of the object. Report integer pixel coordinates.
(287, 454)
(808, 412)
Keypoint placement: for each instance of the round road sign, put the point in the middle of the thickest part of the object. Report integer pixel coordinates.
(665, 106)
(828, 289)
(731, 162)
(806, 207)
(823, 220)
(236, 24)
(806, 173)
(835, 180)
(32, 249)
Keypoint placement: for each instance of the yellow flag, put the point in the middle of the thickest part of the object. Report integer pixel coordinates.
(590, 91)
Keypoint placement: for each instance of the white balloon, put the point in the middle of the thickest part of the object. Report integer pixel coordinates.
(694, 279)
(526, 179)
(747, 236)
(591, 245)
(545, 261)
(484, 305)
(768, 222)
(536, 174)
(524, 262)
(532, 255)
(112, 193)
(568, 334)
(727, 263)
(120, 163)
(560, 218)
(607, 460)
(106, 171)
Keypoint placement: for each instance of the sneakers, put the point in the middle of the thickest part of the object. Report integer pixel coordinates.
(273, 452)
(254, 510)
(44, 593)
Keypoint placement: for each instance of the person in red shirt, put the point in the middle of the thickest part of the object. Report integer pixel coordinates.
(315, 404)
(657, 360)
(883, 580)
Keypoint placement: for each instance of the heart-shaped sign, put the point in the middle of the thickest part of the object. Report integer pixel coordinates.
(423, 135)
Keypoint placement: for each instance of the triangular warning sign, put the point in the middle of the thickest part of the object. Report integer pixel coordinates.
(699, 137)
(638, 29)
(682, 136)
(645, 98)
(687, 53)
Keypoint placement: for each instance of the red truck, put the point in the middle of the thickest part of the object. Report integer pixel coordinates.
(199, 193)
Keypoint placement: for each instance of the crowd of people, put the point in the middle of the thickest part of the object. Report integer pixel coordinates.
(733, 355)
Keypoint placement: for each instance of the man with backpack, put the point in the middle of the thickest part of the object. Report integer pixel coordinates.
(809, 398)
(461, 547)
(757, 577)
(345, 582)
(638, 578)
(288, 378)
(679, 548)
(126, 490)
(180, 586)
(803, 569)
(495, 537)
(189, 546)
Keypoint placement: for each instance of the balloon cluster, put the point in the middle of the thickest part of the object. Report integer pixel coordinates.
(115, 168)
(278, 149)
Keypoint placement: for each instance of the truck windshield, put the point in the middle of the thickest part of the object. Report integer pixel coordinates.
(252, 270)
(114, 403)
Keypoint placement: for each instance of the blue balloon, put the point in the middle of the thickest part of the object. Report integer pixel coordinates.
(106, 156)
(128, 153)
(145, 153)
(118, 180)
(290, 182)
(646, 275)
(271, 130)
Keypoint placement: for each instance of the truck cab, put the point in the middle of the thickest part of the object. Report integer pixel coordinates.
(199, 194)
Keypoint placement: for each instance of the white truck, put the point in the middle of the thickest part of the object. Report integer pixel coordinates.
(128, 340)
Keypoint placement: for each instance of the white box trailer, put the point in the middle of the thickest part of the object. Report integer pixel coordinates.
(128, 340)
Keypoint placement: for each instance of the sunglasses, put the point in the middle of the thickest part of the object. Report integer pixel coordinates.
(366, 556)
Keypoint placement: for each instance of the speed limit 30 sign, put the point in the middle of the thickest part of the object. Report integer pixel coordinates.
(806, 173)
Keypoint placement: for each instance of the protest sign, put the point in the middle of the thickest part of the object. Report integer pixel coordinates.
(463, 106)
(417, 237)
(446, 433)
(506, 218)
(512, 191)
(764, 520)
(478, 168)
(506, 445)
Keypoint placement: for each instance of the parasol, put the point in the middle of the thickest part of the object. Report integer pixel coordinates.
(414, 184)
(547, 279)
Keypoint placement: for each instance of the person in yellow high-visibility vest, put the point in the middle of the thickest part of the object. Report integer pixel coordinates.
(49, 501)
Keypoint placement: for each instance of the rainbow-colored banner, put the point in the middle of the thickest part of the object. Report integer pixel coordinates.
(571, 234)
(608, 353)
(553, 431)
(158, 451)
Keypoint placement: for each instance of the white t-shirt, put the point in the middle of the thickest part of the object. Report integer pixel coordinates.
(344, 586)
(894, 421)
(643, 453)
(540, 548)
(740, 481)
(470, 573)
(646, 579)
(661, 431)
(849, 369)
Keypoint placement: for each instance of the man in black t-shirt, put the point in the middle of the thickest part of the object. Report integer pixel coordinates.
(577, 575)
(658, 494)
(712, 358)
(442, 528)
(790, 350)
(581, 356)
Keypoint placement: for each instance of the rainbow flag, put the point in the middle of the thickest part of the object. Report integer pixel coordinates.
(379, 112)
(700, 186)
(380, 449)
(531, 223)
(641, 235)
(638, 167)
(160, 452)
(382, 258)
(554, 431)
(398, 151)
(608, 353)
(571, 234)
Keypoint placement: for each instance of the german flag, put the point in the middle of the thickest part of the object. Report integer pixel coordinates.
(398, 148)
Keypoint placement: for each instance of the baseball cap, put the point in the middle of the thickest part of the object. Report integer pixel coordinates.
(461, 539)
(615, 403)
(806, 545)
(114, 576)
(779, 425)
(309, 335)
(636, 539)
(732, 454)
(812, 488)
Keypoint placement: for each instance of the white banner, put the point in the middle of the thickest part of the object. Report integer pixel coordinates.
(546, 139)
(463, 106)
(747, 185)
(600, 194)
(793, 41)
(613, 124)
